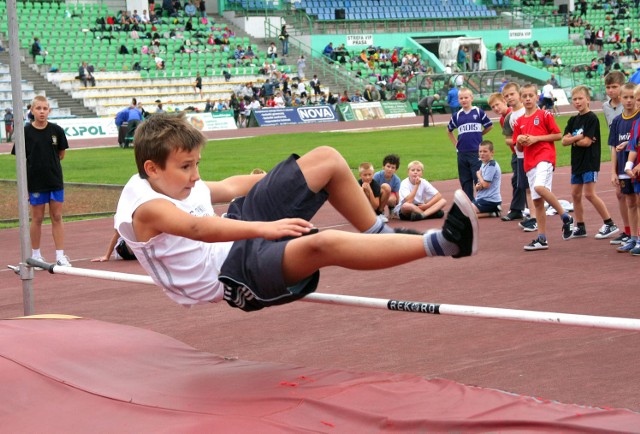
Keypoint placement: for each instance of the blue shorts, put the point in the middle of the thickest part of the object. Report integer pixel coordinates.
(626, 186)
(584, 178)
(252, 273)
(636, 185)
(43, 198)
(486, 206)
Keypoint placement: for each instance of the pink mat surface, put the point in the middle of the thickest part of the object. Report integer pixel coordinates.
(81, 375)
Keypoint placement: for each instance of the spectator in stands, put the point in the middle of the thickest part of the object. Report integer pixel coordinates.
(85, 75)
(238, 54)
(499, 56)
(190, 9)
(197, 84)
(279, 100)
(599, 39)
(461, 59)
(394, 58)
(272, 51)
(452, 98)
(315, 85)
(328, 52)
(159, 62)
(8, 123)
(345, 97)
(301, 66)
(249, 54)
(202, 7)
(189, 25)
(36, 49)
(159, 108)
(553, 81)
(477, 57)
(546, 61)
(284, 38)
(209, 106)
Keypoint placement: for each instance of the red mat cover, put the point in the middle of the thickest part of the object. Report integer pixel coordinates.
(81, 375)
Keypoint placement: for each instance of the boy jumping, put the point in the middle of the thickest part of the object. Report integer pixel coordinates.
(259, 257)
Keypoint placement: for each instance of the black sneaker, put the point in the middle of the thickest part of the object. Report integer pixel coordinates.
(529, 225)
(567, 229)
(579, 232)
(620, 239)
(513, 215)
(537, 244)
(416, 217)
(607, 231)
(461, 225)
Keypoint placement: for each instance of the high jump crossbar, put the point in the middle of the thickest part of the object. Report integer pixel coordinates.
(565, 319)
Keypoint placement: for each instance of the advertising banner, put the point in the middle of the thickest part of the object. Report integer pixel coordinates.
(397, 109)
(293, 115)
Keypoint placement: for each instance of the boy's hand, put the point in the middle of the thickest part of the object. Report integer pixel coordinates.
(614, 179)
(635, 172)
(366, 187)
(101, 259)
(286, 228)
(622, 146)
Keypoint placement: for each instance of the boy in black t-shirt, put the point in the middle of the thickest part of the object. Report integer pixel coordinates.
(582, 133)
(370, 188)
(45, 146)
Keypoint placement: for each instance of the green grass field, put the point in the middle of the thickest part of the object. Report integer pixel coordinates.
(223, 158)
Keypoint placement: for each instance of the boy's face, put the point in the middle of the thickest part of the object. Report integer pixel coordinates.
(511, 96)
(415, 173)
(465, 99)
(389, 170)
(529, 97)
(613, 90)
(637, 96)
(178, 176)
(580, 102)
(366, 176)
(628, 100)
(499, 107)
(40, 111)
(485, 154)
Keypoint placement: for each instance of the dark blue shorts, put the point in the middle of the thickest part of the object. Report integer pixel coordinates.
(584, 178)
(252, 273)
(43, 198)
(486, 206)
(626, 186)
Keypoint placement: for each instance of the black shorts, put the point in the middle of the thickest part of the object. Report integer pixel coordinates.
(626, 186)
(252, 273)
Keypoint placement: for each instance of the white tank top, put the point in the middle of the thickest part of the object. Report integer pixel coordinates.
(187, 270)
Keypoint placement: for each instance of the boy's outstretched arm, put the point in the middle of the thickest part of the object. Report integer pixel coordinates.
(161, 216)
(232, 187)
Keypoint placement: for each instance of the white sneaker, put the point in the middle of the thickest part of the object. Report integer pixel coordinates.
(64, 262)
(383, 218)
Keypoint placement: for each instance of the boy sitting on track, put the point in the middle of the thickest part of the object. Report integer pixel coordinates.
(488, 201)
(389, 183)
(259, 257)
(419, 199)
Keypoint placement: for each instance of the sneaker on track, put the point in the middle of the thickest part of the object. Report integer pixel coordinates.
(636, 250)
(64, 262)
(567, 229)
(579, 232)
(530, 225)
(537, 244)
(627, 247)
(606, 231)
(461, 225)
(513, 215)
(620, 239)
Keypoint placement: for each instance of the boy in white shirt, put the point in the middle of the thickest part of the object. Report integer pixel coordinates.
(418, 199)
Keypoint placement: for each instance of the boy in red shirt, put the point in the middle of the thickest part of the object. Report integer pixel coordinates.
(534, 134)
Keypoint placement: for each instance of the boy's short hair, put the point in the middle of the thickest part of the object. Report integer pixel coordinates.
(391, 159)
(416, 163)
(495, 97)
(39, 98)
(163, 133)
(365, 166)
(465, 89)
(528, 85)
(487, 143)
(629, 86)
(510, 85)
(615, 77)
(581, 88)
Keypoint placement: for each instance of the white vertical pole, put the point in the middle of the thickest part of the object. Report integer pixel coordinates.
(26, 273)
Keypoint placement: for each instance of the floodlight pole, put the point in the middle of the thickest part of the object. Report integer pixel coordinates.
(26, 273)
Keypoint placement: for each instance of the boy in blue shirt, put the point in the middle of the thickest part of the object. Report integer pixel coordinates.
(488, 201)
(389, 183)
(472, 123)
